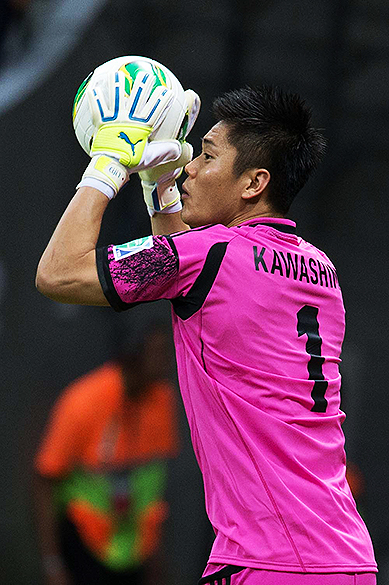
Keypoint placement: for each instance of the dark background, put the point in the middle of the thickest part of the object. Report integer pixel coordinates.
(335, 54)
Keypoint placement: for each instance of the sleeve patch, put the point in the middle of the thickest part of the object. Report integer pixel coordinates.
(146, 275)
(124, 250)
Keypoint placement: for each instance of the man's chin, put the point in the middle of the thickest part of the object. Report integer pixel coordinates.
(187, 218)
(191, 222)
(190, 218)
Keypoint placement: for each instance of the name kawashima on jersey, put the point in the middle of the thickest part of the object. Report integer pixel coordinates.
(295, 266)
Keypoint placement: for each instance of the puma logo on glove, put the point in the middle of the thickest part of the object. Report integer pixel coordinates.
(124, 136)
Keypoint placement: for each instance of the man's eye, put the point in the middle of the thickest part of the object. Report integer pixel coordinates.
(206, 156)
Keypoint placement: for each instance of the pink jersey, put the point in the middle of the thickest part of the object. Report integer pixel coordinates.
(258, 325)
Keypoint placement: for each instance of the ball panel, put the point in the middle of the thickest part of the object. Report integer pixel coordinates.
(80, 93)
(131, 70)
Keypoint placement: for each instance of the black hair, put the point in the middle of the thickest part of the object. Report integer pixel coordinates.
(271, 129)
(130, 344)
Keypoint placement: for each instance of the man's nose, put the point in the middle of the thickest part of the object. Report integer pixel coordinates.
(190, 168)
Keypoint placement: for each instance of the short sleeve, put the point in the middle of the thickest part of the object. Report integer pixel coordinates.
(161, 267)
(139, 271)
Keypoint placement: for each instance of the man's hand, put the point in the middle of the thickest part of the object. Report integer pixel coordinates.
(124, 122)
(160, 191)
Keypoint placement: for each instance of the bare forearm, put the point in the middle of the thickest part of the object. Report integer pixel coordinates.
(67, 270)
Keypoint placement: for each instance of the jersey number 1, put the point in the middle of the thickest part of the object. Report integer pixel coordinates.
(307, 324)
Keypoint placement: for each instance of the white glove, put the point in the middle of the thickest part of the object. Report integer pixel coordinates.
(120, 146)
(159, 186)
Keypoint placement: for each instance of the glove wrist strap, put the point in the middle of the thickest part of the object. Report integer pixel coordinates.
(105, 174)
(108, 191)
(161, 198)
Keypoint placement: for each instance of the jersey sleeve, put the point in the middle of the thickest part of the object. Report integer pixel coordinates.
(139, 271)
(152, 268)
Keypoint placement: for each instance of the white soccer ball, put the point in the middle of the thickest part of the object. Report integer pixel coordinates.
(173, 126)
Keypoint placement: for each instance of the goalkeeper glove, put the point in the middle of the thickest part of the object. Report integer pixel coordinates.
(120, 146)
(159, 186)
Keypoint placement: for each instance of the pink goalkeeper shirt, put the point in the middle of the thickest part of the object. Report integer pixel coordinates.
(258, 324)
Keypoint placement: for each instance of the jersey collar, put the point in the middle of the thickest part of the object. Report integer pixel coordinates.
(279, 223)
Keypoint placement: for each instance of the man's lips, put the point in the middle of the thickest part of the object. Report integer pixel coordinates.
(184, 193)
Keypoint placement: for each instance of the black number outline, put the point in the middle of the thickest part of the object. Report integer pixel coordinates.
(308, 324)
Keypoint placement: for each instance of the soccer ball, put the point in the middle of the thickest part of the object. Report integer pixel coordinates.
(173, 126)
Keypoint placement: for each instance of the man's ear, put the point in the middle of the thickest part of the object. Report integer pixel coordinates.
(257, 181)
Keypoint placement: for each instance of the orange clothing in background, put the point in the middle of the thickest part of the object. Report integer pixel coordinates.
(92, 424)
(108, 453)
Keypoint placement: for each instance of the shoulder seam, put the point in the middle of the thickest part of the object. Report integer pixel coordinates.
(187, 305)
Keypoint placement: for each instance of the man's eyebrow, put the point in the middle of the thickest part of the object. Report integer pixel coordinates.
(208, 141)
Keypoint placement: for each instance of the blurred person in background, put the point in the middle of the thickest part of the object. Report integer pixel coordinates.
(102, 471)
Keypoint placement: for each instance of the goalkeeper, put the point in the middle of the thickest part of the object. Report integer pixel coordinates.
(258, 321)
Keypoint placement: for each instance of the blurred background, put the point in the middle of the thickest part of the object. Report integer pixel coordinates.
(335, 53)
